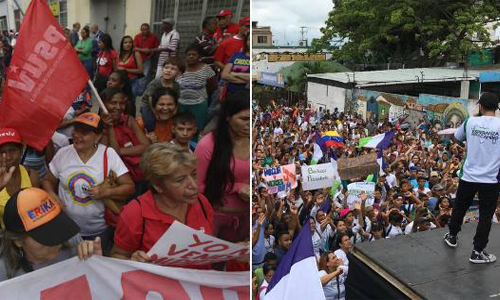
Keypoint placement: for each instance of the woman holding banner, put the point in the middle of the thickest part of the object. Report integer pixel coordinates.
(173, 196)
(224, 168)
(79, 171)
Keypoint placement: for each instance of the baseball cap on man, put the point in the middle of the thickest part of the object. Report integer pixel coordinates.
(34, 212)
(89, 121)
(9, 135)
(168, 20)
(245, 21)
(225, 12)
(489, 101)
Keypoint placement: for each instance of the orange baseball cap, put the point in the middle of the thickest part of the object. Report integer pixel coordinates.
(33, 211)
(88, 119)
(225, 12)
(9, 135)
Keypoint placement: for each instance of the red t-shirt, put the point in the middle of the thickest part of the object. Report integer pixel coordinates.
(231, 30)
(105, 61)
(130, 63)
(150, 42)
(129, 234)
(229, 47)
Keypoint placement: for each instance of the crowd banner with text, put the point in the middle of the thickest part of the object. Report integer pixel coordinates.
(109, 278)
(354, 191)
(182, 245)
(45, 76)
(280, 179)
(316, 177)
(358, 167)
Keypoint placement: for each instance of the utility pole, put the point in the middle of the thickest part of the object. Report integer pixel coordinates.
(303, 30)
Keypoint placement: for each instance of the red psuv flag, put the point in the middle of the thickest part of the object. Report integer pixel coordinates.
(44, 78)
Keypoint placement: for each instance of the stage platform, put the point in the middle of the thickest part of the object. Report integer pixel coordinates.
(422, 266)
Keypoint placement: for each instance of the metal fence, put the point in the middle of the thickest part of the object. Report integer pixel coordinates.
(189, 14)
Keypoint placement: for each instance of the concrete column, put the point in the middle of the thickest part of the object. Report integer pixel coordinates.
(464, 89)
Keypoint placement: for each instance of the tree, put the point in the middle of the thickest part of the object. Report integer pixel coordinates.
(428, 31)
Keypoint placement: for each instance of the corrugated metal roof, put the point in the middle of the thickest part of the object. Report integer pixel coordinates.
(400, 76)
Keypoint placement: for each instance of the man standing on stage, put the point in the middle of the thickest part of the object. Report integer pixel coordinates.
(478, 175)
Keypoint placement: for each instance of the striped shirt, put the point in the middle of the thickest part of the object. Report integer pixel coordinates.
(169, 41)
(194, 86)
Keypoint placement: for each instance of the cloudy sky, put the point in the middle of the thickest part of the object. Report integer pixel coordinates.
(287, 16)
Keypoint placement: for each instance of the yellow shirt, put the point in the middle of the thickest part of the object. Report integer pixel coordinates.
(4, 195)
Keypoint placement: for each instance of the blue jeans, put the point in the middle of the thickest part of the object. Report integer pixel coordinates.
(87, 63)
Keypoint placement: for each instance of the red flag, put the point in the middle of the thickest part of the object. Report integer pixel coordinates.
(44, 78)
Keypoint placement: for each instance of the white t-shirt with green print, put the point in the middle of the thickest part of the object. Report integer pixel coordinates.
(482, 162)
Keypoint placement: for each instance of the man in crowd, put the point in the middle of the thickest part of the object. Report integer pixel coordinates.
(145, 42)
(74, 35)
(226, 27)
(169, 45)
(206, 40)
(233, 44)
(95, 33)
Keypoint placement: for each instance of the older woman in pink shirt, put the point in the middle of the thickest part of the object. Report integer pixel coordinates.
(224, 168)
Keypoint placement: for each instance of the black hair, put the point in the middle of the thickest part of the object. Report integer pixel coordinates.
(108, 93)
(184, 117)
(158, 93)
(87, 30)
(107, 41)
(122, 50)
(145, 24)
(270, 256)
(207, 21)
(193, 47)
(267, 268)
(220, 175)
(338, 240)
(396, 217)
(127, 90)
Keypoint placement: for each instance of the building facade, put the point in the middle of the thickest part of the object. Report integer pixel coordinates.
(261, 35)
(124, 17)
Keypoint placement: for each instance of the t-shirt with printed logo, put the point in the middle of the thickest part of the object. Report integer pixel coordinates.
(482, 161)
(75, 181)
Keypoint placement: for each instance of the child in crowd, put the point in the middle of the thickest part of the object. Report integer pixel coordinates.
(184, 130)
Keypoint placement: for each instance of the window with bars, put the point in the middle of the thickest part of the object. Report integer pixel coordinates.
(261, 39)
(62, 18)
(3, 23)
(190, 14)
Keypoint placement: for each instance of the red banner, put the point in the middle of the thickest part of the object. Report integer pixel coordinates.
(44, 78)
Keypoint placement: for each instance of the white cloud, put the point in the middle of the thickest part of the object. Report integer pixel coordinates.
(287, 16)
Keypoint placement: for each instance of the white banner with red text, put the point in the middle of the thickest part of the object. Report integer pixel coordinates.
(109, 278)
(182, 245)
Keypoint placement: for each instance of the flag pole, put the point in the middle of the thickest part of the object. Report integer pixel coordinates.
(104, 109)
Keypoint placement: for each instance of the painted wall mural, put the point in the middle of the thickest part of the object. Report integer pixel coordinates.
(448, 112)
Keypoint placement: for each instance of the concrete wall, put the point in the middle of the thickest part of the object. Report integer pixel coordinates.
(136, 13)
(78, 11)
(330, 97)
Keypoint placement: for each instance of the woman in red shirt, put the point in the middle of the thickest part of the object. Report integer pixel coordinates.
(173, 196)
(106, 61)
(130, 61)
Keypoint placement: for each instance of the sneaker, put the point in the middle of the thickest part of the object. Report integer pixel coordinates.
(481, 257)
(451, 240)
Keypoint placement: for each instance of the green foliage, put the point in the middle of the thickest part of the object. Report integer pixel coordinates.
(430, 31)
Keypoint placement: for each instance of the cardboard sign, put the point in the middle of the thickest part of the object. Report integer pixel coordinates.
(183, 245)
(109, 278)
(316, 177)
(280, 179)
(358, 167)
(354, 192)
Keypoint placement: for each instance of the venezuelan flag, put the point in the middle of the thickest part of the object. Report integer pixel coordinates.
(332, 139)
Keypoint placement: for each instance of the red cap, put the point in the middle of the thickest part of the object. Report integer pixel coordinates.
(9, 135)
(225, 12)
(245, 21)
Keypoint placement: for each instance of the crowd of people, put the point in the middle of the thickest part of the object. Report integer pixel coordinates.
(415, 189)
(113, 179)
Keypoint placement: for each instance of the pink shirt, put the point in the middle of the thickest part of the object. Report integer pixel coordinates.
(241, 171)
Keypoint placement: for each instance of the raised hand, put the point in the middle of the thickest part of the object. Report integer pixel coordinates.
(5, 174)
